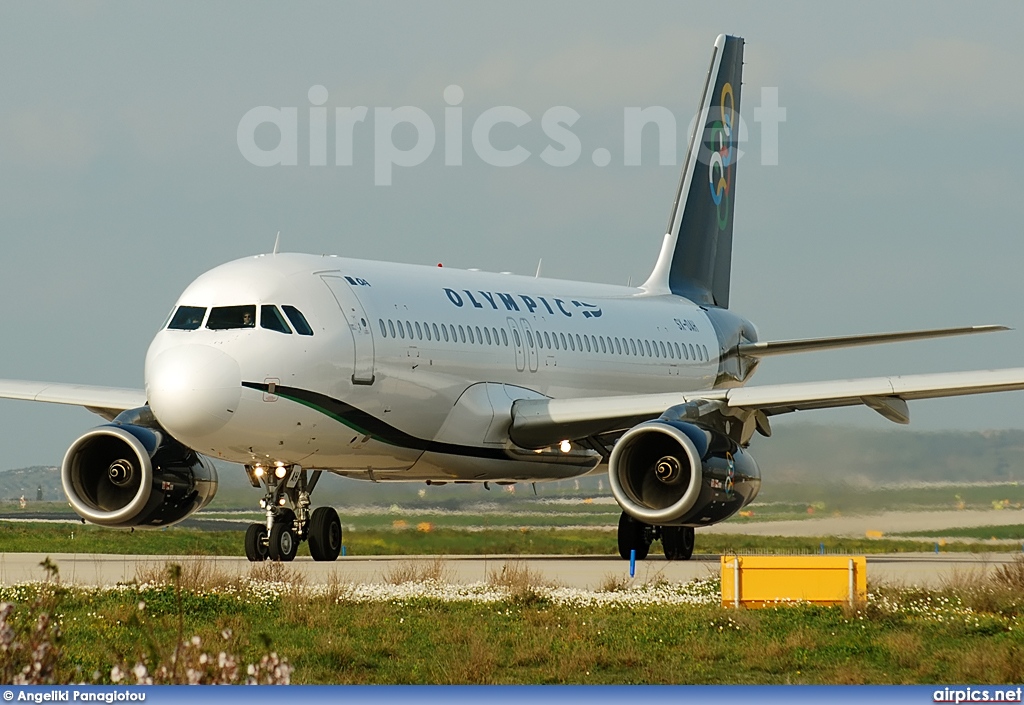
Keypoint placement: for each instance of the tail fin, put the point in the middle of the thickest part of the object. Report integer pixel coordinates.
(696, 254)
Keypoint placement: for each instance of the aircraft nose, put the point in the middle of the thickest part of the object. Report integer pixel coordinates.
(193, 389)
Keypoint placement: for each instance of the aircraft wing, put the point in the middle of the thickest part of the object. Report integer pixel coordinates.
(108, 402)
(786, 347)
(538, 423)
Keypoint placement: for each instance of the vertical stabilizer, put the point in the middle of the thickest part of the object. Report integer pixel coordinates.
(696, 254)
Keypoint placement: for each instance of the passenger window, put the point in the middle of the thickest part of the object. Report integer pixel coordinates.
(632, 345)
(444, 329)
(586, 340)
(504, 338)
(383, 330)
(391, 327)
(187, 318)
(401, 330)
(408, 329)
(604, 348)
(419, 332)
(661, 345)
(299, 322)
(271, 319)
(706, 356)
(462, 334)
(515, 336)
(547, 340)
(678, 356)
(479, 338)
(231, 317)
(572, 343)
(671, 352)
(437, 336)
(495, 331)
(618, 347)
(426, 331)
(579, 343)
(488, 332)
(693, 355)
(469, 330)
(562, 336)
(554, 337)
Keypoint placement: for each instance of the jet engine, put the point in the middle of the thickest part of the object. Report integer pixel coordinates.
(125, 475)
(671, 473)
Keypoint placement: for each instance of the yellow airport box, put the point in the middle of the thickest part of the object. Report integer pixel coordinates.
(761, 581)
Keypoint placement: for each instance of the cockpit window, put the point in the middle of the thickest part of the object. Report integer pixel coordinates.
(298, 320)
(271, 319)
(227, 317)
(187, 318)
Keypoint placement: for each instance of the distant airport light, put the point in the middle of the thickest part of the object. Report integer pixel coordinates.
(565, 446)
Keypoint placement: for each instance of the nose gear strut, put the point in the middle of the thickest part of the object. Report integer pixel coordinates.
(289, 520)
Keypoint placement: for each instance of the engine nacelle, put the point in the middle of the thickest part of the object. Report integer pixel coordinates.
(124, 475)
(669, 473)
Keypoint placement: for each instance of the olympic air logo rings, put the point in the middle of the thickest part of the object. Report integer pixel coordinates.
(720, 143)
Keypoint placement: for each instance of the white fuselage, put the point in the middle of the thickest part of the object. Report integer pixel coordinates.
(411, 370)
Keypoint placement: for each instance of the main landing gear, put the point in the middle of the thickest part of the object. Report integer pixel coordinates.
(289, 519)
(634, 535)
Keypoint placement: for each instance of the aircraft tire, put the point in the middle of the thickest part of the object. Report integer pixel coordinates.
(324, 534)
(632, 536)
(256, 543)
(284, 541)
(678, 542)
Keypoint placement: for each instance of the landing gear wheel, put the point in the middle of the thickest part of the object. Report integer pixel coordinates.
(324, 534)
(256, 543)
(633, 537)
(284, 541)
(678, 542)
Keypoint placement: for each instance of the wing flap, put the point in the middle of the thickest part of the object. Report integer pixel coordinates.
(538, 423)
(105, 401)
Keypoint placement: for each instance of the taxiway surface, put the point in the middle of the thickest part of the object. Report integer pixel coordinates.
(581, 572)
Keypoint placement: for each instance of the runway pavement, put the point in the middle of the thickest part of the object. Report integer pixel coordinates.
(581, 572)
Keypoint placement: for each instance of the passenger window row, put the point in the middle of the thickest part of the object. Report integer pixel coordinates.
(240, 317)
(573, 342)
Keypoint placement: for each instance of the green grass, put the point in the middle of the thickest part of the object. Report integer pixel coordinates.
(1015, 532)
(79, 538)
(968, 633)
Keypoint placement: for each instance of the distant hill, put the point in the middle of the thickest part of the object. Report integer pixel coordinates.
(804, 454)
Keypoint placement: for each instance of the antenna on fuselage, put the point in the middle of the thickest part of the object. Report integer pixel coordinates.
(539, 263)
(277, 241)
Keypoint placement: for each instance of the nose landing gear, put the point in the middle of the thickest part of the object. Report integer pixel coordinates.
(289, 520)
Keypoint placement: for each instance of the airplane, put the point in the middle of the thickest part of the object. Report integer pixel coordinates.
(293, 365)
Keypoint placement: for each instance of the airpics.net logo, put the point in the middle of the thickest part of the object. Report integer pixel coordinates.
(564, 147)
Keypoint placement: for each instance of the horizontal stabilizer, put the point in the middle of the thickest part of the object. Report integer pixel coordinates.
(785, 347)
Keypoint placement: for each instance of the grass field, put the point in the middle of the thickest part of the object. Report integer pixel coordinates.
(1014, 532)
(513, 630)
(77, 538)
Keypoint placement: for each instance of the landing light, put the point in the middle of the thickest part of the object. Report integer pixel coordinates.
(565, 446)
(280, 471)
(282, 501)
(259, 471)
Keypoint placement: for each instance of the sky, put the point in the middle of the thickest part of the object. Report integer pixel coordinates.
(895, 202)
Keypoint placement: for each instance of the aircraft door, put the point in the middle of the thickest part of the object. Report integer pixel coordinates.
(358, 325)
(531, 344)
(518, 343)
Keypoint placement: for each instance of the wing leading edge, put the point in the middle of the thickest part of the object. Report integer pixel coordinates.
(537, 423)
(108, 402)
